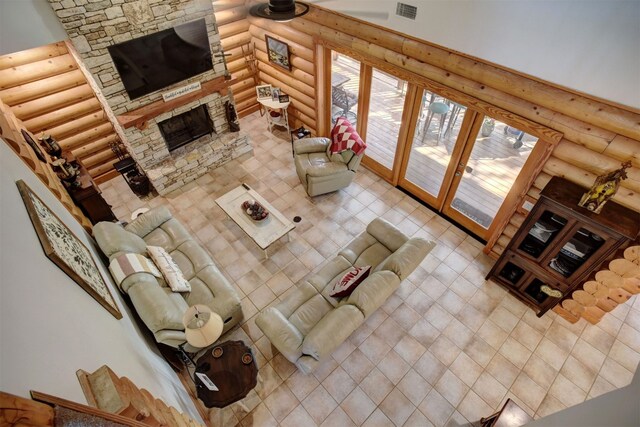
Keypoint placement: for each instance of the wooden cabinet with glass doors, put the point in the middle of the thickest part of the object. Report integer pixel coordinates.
(560, 245)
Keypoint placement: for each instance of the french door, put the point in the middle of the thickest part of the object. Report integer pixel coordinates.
(462, 162)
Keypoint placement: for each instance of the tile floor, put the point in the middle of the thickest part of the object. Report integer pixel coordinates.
(446, 349)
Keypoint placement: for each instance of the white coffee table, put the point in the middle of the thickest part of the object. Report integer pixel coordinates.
(264, 233)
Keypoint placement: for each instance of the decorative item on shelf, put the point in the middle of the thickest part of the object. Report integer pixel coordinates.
(65, 249)
(275, 94)
(283, 98)
(66, 171)
(278, 52)
(604, 188)
(554, 293)
(35, 147)
(255, 210)
(202, 326)
(232, 117)
(50, 145)
(263, 91)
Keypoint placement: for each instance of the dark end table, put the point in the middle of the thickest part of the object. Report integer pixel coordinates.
(299, 133)
(233, 378)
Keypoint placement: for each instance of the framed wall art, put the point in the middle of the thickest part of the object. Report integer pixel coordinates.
(278, 52)
(263, 91)
(67, 251)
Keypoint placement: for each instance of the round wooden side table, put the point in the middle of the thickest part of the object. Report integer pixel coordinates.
(228, 366)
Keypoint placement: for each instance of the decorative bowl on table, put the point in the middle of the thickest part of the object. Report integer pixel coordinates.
(255, 210)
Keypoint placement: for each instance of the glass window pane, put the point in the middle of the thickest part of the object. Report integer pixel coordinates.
(385, 117)
(345, 84)
(434, 138)
(498, 154)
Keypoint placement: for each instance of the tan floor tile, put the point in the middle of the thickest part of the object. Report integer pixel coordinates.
(504, 319)
(358, 406)
(489, 389)
(298, 417)
(339, 384)
(613, 372)
(515, 352)
(436, 408)
(567, 392)
(282, 366)
(259, 417)
(588, 355)
(451, 387)
(405, 316)
(540, 371)
(393, 367)
(492, 334)
(374, 348)
(550, 405)
(424, 332)
(414, 387)
(432, 286)
(578, 373)
(458, 333)
(409, 349)
(551, 353)
(625, 356)
(443, 272)
(343, 351)
(262, 297)
(600, 386)
(528, 391)
(503, 370)
(357, 365)
(561, 336)
(456, 420)
(598, 338)
(451, 302)
(471, 318)
(270, 381)
(397, 407)
(445, 350)
(281, 402)
(337, 418)
(473, 407)
(526, 335)
(319, 404)
(389, 331)
(301, 385)
(376, 385)
(630, 337)
(480, 351)
(417, 419)
(378, 419)
(466, 369)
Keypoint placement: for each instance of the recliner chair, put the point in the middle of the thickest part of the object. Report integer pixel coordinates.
(320, 171)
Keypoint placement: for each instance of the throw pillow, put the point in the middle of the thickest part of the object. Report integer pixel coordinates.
(344, 137)
(350, 281)
(169, 269)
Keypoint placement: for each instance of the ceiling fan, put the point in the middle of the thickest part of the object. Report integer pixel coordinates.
(286, 10)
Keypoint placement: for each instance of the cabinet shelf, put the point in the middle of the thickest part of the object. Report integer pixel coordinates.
(560, 244)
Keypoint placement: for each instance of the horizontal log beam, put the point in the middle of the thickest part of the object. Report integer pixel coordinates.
(623, 148)
(569, 103)
(32, 55)
(27, 73)
(230, 15)
(295, 95)
(107, 176)
(86, 137)
(296, 61)
(105, 156)
(235, 41)
(282, 76)
(243, 84)
(48, 86)
(233, 28)
(78, 125)
(63, 115)
(282, 31)
(49, 103)
(91, 147)
(295, 74)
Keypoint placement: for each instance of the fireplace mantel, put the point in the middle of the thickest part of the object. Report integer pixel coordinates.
(140, 116)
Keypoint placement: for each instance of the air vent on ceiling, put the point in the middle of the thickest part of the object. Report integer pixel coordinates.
(406, 10)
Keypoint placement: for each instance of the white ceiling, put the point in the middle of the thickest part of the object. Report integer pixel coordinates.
(589, 45)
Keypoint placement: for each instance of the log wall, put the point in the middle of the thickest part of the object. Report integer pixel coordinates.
(299, 82)
(46, 89)
(10, 127)
(231, 19)
(597, 135)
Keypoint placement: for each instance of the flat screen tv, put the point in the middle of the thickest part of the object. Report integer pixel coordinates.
(161, 59)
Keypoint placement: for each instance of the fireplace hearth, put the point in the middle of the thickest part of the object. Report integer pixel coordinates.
(186, 127)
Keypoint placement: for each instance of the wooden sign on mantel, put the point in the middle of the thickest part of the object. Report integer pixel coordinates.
(140, 116)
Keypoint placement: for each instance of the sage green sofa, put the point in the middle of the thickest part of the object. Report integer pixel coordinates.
(160, 308)
(310, 324)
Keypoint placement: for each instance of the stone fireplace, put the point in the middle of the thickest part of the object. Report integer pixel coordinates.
(198, 128)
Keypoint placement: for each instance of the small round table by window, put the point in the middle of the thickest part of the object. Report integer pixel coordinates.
(233, 376)
(279, 110)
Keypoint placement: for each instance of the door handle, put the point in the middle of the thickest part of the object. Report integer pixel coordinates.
(461, 165)
(458, 173)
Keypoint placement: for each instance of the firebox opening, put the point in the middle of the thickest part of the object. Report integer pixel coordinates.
(186, 127)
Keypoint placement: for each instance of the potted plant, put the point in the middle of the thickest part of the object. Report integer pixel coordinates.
(488, 125)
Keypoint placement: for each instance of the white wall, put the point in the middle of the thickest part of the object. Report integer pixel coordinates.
(589, 45)
(49, 326)
(25, 24)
